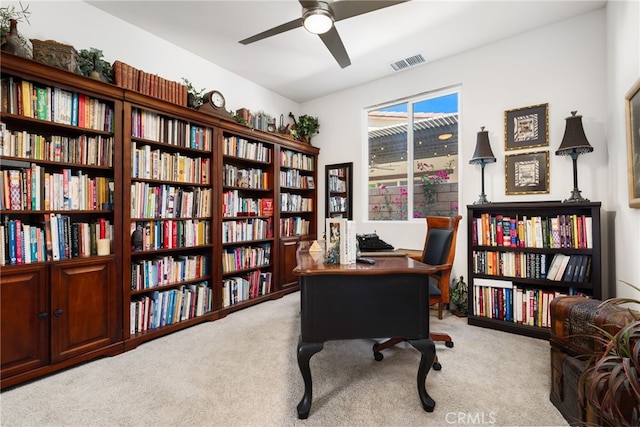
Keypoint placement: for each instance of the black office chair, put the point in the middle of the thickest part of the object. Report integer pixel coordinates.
(439, 252)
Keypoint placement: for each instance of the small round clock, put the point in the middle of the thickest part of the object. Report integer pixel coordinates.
(215, 99)
(213, 102)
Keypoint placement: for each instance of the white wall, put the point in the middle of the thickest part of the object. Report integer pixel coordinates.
(623, 69)
(84, 26)
(562, 64)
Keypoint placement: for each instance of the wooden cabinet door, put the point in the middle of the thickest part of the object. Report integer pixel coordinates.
(288, 248)
(24, 319)
(83, 306)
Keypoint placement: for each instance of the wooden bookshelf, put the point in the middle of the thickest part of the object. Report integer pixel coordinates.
(510, 252)
(297, 207)
(155, 149)
(248, 212)
(170, 221)
(61, 147)
(339, 190)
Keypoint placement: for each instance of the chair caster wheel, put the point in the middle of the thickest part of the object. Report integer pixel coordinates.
(437, 366)
(378, 356)
(448, 344)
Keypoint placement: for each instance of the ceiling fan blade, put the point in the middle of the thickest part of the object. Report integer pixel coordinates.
(333, 42)
(347, 9)
(296, 23)
(309, 4)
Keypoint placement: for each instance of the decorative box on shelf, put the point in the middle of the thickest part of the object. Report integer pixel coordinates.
(55, 54)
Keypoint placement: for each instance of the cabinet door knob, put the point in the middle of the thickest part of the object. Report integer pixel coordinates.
(58, 312)
(43, 315)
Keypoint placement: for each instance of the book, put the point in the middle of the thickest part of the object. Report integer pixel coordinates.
(555, 266)
(588, 228)
(15, 189)
(492, 283)
(563, 266)
(567, 276)
(348, 243)
(266, 207)
(581, 269)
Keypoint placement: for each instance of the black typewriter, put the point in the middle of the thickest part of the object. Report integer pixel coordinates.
(372, 243)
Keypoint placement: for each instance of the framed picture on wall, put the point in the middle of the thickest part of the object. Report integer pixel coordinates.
(633, 143)
(526, 127)
(527, 173)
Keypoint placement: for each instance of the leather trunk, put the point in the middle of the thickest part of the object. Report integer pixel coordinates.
(565, 375)
(572, 320)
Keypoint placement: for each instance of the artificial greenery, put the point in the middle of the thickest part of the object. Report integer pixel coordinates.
(7, 13)
(241, 120)
(196, 95)
(307, 126)
(612, 377)
(90, 60)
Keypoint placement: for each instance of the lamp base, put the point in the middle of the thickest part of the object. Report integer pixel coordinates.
(482, 200)
(576, 197)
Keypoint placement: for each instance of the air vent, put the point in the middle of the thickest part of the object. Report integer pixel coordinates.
(411, 61)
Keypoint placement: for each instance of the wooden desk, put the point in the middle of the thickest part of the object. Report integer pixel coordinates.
(387, 299)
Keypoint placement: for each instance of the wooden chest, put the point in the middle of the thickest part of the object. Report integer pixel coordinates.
(572, 320)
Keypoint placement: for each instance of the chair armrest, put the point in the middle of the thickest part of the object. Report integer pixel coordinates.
(415, 256)
(442, 267)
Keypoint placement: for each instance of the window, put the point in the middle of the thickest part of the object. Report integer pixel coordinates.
(413, 158)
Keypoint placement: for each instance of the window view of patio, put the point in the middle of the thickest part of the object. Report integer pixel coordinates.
(413, 159)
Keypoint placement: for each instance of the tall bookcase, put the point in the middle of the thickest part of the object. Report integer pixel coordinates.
(247, 220)
(511, 251)
(59, 157)
(297, 207)
(339, 190)
(168, 177)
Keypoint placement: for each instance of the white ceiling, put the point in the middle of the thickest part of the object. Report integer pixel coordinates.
(297, 65)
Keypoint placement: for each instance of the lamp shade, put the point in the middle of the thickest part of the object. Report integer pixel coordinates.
(318, 19)
(574, 140)
(483, 153)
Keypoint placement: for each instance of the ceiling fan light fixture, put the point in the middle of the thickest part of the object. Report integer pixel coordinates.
(318, 20)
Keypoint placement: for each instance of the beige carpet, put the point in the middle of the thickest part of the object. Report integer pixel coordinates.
(242, 371)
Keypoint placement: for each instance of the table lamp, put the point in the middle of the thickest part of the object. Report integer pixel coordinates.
(482, 155)
(573, 144)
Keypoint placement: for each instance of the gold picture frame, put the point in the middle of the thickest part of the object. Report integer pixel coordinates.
(527, 173)
(632, 102)
(526, 127)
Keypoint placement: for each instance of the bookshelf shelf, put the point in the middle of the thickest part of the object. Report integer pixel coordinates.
(512, 249)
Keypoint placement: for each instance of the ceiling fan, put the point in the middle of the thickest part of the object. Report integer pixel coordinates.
(318, 17)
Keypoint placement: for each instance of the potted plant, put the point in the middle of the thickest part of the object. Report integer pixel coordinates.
(91, 64)
(305, 127)
(308, 126)
(194, 96)
(11, 39)
(611, 382)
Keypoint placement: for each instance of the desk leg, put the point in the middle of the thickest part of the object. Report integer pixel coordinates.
(305, 351)
(428, 350)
